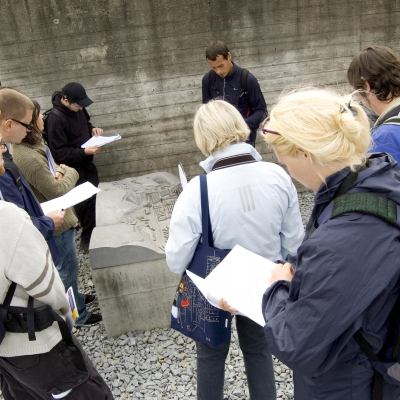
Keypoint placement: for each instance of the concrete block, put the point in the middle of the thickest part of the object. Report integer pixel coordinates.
(135, 297)
(134, 285)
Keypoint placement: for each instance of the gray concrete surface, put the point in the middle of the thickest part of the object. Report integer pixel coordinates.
(134, 285)
(142, 61)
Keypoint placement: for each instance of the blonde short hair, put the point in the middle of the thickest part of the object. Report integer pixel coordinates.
(320, 122)
(14, 104)
(218, 124)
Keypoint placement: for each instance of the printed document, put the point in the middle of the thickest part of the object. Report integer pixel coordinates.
(241, 278)
(100, 141)
(182, 176)
(74, 196)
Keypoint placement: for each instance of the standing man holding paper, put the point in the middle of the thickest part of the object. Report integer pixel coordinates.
(68, 127)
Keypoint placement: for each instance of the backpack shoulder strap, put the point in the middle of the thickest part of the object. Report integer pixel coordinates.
(62, 118)
(211, 82)
(243, 83)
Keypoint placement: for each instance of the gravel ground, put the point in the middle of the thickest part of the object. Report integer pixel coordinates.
(161, 364)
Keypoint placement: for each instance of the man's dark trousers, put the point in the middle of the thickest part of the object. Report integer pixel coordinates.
(86, 211)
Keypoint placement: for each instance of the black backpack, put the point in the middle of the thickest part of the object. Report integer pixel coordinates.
(60, 115)
(387, 363)
(243, 84)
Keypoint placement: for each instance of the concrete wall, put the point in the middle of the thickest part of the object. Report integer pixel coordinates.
(142, 61)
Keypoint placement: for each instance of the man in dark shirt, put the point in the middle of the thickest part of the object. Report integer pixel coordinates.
(68, 127)
(224, 82)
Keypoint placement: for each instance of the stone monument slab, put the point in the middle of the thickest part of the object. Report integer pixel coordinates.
(134, 285)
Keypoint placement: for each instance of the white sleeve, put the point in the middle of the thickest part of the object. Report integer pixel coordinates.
(292, 230)
(185, 228)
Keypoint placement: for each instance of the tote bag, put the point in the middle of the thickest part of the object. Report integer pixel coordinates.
(194, 316)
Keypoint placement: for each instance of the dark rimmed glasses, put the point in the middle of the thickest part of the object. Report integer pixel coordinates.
(28, 127)
(265, 131)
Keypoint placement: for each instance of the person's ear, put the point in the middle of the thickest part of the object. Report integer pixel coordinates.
(229, 57)
(304, 153)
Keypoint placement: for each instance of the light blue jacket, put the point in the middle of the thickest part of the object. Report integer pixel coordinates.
(254, 205)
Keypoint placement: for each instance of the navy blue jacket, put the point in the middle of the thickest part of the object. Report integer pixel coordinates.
(27, 201)
(229, 89)
(346, 278)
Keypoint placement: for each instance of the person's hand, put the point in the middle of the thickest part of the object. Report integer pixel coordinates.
(59, 176)
(225, 306)
(57, 217)
(97, 132)
(92, 150)
(282, 272)
(63, 166)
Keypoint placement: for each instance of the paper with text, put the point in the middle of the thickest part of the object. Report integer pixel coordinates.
(74, 196)
(182, 176)
(100, 141)
(241, 279)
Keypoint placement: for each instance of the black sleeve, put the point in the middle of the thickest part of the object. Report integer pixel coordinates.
(59, 144)
(205, 86)
(90, 126)
(257, 101)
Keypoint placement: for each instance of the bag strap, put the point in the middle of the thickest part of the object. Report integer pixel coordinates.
(205, 213)
(9, 296)
(233, 160)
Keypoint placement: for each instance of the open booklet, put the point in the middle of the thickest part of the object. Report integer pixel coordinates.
(182, 176)
(74, 196)
(100, 141)
(241, 279)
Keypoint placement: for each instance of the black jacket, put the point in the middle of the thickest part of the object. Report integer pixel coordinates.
(65, 145)
(229, 89)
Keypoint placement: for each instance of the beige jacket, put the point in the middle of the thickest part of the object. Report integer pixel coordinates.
(26, 260)
(32, 161)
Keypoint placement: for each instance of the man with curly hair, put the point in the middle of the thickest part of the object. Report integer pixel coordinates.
(375, 73)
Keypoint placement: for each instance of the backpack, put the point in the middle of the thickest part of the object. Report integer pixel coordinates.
(243, 84)
(60, 115)
(387, 363)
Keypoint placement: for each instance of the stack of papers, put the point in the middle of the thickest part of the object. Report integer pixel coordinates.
(100, 141)
(242, 279)
(73, 197)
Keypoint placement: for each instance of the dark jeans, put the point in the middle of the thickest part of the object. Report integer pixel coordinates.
(257, 361)
(67, 267)
(86, 211)
(36, 377)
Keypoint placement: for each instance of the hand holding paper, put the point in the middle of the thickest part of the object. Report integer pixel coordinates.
(241, 278)
(74, 196)
(100, 141)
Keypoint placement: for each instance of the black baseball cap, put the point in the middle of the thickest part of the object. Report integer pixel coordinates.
(76, 93)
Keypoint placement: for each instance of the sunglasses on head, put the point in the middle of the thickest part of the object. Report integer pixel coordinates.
(265, 131)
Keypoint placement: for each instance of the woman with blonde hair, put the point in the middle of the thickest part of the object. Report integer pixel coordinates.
(251, 203)
(344, 278)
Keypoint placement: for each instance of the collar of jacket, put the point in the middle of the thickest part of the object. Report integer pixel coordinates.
(232, 150)
(392, 111)
(377, 163)
(234, 75)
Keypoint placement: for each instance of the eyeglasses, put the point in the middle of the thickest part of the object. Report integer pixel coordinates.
(28, 127)
(3, 145)
(265, 131)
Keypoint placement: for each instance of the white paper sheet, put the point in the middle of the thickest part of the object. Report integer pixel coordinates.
(74, 196)
(182, 176)
(100, 141)
(241, 278)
